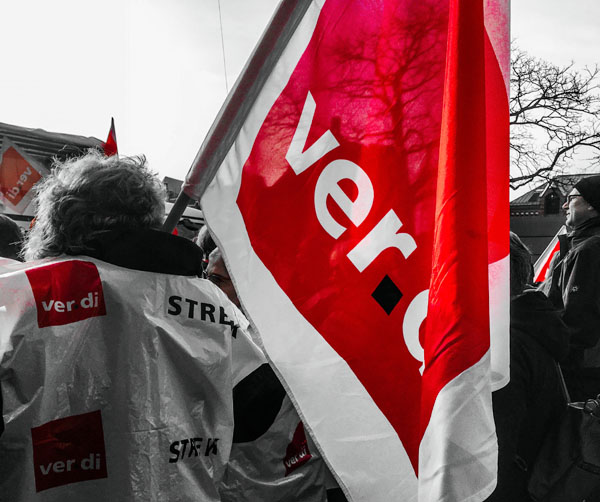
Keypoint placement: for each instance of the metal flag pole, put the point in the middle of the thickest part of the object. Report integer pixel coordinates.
(238, 104)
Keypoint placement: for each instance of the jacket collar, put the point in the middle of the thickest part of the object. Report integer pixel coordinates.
(147, 250)
(585, 230)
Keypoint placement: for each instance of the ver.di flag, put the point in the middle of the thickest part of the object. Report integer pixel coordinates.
(361, 201)
(19, 174)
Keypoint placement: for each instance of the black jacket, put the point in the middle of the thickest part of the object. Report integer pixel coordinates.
(573, 285)
(532, 402)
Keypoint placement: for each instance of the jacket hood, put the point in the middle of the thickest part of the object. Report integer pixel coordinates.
(533, 315)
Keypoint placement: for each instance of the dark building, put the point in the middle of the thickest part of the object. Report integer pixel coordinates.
(538, 215)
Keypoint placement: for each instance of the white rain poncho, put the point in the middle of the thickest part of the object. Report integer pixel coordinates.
(116, 383)
(282, 464)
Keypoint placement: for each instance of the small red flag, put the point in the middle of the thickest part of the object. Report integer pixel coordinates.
(110, 146)
(542, 265)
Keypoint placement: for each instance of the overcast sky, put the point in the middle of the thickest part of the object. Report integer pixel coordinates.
(157, 65)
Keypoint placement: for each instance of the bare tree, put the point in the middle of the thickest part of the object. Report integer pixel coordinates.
(554, 113)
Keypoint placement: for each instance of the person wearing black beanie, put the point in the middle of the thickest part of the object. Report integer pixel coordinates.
(573, 285)
(589, 188)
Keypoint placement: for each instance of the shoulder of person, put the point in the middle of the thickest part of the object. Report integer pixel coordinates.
(590, 247)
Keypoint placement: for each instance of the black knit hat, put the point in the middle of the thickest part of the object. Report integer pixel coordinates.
(590, 189)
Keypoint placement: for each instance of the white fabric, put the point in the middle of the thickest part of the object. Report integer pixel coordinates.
(499, 281)
(257, 469)
(449, 468)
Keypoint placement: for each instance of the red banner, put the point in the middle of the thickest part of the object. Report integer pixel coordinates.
(18, 175)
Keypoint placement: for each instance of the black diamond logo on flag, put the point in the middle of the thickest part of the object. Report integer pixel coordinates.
(387, 294)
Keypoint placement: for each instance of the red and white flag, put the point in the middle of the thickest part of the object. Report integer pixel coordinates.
(110, 145)
(19, 173)
(542, 264)
(357, 182)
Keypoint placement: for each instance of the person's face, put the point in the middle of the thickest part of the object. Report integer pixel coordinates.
(217, 273)
(578, 210)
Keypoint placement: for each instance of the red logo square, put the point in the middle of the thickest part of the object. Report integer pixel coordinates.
(66, 292)
(69, 450)
(297, 452)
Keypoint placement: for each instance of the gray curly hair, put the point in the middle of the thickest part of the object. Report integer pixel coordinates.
(87, 196)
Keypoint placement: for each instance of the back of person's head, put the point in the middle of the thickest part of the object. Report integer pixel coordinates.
(218, 274)
(11, 238)
(521, 269)
(85, 197)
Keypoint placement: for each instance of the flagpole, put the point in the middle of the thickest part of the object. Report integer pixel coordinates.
(176, 211)
(238, 104)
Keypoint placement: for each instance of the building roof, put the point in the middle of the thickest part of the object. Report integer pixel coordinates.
(44, 146)
(562, 182)
(528, 198)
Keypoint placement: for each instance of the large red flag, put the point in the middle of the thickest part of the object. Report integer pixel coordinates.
(110, 145)
(361, 200)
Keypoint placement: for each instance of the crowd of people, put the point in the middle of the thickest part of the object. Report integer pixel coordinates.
(554, 340)
(122, 368)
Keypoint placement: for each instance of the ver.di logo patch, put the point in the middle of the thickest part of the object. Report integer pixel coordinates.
(297, 452)
(69, 450)
(66, 292)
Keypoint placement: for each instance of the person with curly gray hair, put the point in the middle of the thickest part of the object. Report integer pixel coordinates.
(115, 357)
(87, 196)
(109, 208)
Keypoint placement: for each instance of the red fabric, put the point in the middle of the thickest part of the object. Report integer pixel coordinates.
(110, 146)
(541, 276)
(458, 320)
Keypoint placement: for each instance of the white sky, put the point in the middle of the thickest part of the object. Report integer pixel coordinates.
(157, 65)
